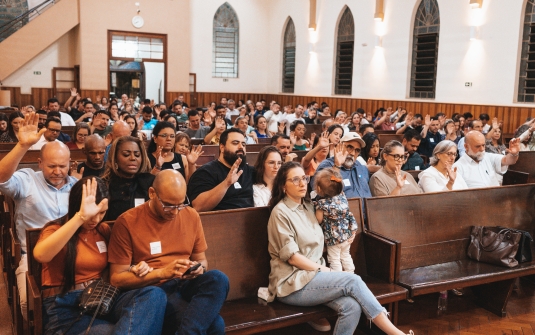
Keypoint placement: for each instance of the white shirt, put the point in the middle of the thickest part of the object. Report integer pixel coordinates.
(483, 174)
(42, 141)
(231, 112)
(261, 195)
(290, 118)
(486, 128)
(272, 120)
(431, 180)
(362, 161)
(66, 120)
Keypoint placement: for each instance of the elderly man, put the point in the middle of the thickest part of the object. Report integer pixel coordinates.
(231, 110)
(483, 169)
(285, 146)
(355, 175)
(475, 125)
(51, 134)
(39, 197)
(94, 151)
(148, 233)
(119, 128)
(274, 117)
(195, 130)
(227, 182)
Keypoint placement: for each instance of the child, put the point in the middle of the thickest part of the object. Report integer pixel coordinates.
(338, 223)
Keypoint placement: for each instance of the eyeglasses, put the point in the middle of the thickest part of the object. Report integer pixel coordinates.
(351, 148)
(166, 135)
(450, 154)
(171, 208)
(297, 180)
(54, 130)
(399, 157)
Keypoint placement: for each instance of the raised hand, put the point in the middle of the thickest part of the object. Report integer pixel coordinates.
(408, 118)
(73, 92)
(312, 138)
(290, 157)
(74, 171)
(89, 208)
(160, 157)
(220, 123)
(28, 133)
(194, 154)
(400, 180)
(371, 161)
(427, 120)
(281, 127)
(340, 154)
(323, 141)
(514, 146)
(234, 173)
(452, 173)
(495, 124)
(98, 99)
(293, 138)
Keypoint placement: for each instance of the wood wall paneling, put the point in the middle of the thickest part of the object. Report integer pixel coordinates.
(93, 94)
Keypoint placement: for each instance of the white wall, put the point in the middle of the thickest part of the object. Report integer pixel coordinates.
(61, 53)
(254, 51)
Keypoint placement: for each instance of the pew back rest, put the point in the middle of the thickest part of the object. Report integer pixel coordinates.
(34, 267)
(435, 228)
(526, 163)
(385, 138)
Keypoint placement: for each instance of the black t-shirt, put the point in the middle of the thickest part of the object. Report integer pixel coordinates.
(126, 193)
(90, 172)
(177, 159)
(76, 114)
(416, 129)
(209, 175)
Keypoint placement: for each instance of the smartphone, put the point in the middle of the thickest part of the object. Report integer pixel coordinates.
(193, 268)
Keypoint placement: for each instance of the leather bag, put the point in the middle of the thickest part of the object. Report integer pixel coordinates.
(524, 246)
(99, 298)
(494, 245)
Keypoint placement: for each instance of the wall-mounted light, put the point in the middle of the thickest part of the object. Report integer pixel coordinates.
(312, 19)
(379, 11)
(476, 3)
(378, 41)
(474, 33)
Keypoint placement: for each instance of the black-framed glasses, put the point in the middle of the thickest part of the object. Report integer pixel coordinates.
(399, 157)
(297, 180)
(351, 148)
(170, 208)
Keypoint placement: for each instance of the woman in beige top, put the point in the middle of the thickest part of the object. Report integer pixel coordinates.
(390, 180)
(299, 275)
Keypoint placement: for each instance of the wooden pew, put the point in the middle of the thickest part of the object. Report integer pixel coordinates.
(385, 138)
(31, 156)
(526, 163)
(512, 177)
(432, 233)
(378, 132)
(312, 128)
(33, 284)
(253, 156)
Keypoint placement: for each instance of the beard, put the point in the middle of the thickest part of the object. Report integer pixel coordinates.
(231, 157)
(477, 156)
(350, 160)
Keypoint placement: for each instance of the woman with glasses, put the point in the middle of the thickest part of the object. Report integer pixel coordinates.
(266, 167)
(299, 275)
(390, 179)
(127, 174)
(161, 152)
(441, 176)
(81, 131)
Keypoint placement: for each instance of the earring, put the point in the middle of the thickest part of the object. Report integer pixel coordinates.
(116, 166)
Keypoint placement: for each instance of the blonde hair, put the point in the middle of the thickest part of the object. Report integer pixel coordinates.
(330, 182)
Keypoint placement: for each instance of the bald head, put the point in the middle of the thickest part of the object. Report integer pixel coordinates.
(474, 143)
(474, 137)
(119, 129)
(54, 163)
(93, 141)
(169, 183)
(55, 148)
(94, 150)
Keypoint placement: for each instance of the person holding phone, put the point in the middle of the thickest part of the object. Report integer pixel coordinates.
(148, 233)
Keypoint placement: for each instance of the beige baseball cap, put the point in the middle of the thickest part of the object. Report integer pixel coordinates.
(352, 136)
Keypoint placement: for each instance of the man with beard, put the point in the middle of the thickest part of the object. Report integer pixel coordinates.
(227, 182)
(355, 176)
(474, 125)
(411, 141)
(483, 169)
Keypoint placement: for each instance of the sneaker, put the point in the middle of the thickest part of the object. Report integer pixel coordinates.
(410, 332)
(321, 325)
(457, 291)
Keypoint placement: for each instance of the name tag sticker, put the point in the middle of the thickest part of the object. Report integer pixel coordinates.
(432, 140)
(176, 166)
(347, 182)
(407, 182)
(417, 168)
(237, 185)
(155, 248)
(138, 201)
(101, 245)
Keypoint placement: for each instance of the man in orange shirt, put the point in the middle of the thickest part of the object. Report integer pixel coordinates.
(168, 235)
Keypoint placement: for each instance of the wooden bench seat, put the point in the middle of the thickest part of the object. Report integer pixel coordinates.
(432, 233)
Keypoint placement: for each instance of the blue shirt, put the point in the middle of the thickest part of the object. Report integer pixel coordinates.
(461, 148)
(355, 179)
(36, 201)
(149, 125)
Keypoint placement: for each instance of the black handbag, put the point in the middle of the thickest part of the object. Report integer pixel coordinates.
(524, 246)
(494, 245)
(97, 298)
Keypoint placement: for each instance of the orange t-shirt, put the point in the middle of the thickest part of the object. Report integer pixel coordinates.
(139, 235)
(311, 169)
(91, 257)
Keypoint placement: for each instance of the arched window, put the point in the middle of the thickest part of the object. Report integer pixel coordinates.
(288, 56)
(226, 42)
(526, 77)
(425, 50)
(345, 46)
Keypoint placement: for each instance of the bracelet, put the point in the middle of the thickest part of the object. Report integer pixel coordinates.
(80, 215)
(158, 167)
(517, 154)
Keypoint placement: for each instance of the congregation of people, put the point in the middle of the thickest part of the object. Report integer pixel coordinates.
(142, 172)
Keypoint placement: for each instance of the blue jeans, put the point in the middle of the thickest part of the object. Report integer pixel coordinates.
(344, 292)
(139, 311)
(193, 305)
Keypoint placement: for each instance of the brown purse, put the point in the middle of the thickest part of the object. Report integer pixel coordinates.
(495, 245)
